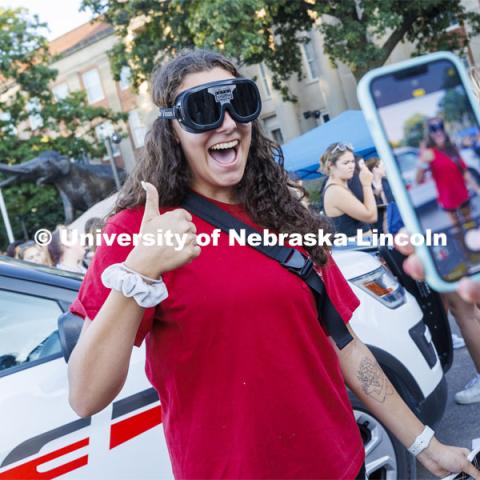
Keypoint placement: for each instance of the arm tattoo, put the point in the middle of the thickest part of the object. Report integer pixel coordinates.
(373, 381)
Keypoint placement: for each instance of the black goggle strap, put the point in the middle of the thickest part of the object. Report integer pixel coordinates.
(167, 113)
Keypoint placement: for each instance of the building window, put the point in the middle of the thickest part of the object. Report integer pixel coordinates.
(263, 76)
(311, 60)
(271, 125)
(93, 85)
(33, 108)
(125, 78)
(103, 131)
(60, 91)
(277, 135)
(137, 128)
(325, 117)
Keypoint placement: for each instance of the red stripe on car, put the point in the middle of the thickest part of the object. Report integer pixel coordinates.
(129, 428)
(28, 470)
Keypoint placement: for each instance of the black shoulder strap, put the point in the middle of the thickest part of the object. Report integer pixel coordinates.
(290, 258)
(326, 187)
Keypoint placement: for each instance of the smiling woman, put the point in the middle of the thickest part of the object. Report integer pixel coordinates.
(182, 148)
(217, 157)
(249, 382)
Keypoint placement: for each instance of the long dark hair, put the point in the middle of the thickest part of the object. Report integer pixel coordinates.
(265, 189)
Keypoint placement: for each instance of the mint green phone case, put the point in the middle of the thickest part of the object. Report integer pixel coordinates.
(407, 211)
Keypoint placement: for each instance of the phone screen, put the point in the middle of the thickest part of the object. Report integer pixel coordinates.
(435, 139)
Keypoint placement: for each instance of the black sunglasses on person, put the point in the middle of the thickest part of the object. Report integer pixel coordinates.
(436, 127)
(202, 108)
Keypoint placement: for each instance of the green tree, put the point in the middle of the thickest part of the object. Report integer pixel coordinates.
(31, 208)
(359, 33)
(67, 126)
(455, 108)
(414, 131)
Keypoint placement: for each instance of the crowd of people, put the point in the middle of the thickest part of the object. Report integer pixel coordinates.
(356, 196)
(69, 255)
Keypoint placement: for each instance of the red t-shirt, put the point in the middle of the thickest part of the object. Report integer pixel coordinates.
(449, 180)
(249, 382)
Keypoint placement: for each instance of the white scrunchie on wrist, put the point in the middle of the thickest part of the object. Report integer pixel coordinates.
(133, 284)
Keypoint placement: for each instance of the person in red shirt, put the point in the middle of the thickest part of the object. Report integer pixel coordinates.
(250, 384)
(449, 173)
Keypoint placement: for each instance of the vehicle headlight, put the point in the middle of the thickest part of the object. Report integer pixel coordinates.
(383, 286)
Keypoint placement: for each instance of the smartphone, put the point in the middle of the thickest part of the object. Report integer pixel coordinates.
(424, 120)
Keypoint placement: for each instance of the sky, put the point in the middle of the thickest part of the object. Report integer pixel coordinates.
(60, 15)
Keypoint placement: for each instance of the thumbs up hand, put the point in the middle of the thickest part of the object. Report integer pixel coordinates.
(154, 259)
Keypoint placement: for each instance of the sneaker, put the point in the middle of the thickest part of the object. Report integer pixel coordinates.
(457, 341)
(471, 392)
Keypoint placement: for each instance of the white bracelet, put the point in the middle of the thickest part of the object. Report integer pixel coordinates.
(133, 284)
(422, 441)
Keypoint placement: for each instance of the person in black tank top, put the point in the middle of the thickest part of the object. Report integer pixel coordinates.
(346, 211)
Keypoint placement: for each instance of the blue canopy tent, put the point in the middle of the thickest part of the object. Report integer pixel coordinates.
(302, 154)
(468, 132)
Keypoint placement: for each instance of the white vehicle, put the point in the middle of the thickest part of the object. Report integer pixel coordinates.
(42, 437)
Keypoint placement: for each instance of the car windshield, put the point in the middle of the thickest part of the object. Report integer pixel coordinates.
(28, 328)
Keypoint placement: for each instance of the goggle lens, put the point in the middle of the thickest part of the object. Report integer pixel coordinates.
(202, 107)
(245, 100)
(436, 127)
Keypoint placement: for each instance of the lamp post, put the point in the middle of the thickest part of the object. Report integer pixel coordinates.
(110, 138)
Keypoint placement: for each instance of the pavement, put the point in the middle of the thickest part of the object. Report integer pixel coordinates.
(460, 424)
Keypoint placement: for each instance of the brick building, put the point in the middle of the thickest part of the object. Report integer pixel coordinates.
(326, 91)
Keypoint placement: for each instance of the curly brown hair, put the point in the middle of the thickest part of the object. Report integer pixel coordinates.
(264, 188)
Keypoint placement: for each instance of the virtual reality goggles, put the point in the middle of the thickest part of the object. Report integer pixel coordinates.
(202, 108)
(436, 126)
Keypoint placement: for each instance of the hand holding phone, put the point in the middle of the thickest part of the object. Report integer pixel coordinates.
(365, 175)
(467, 289)
(474, 458)
(429, 158)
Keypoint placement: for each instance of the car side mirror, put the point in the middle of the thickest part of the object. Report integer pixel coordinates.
(69, 328)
